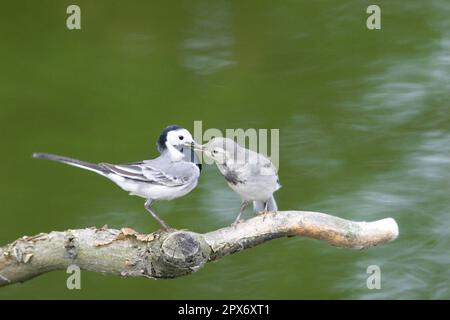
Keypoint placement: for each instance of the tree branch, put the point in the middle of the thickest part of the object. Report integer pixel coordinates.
(162, 255)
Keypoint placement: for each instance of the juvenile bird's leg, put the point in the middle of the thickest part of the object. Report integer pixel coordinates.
(268, 203)
(265, 210)
(243, 207)
(148, 206)
(266, 206)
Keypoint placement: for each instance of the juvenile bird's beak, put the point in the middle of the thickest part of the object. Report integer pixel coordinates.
(194, 145)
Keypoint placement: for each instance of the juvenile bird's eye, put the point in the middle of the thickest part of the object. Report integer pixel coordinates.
(180, 137)
(215, 151)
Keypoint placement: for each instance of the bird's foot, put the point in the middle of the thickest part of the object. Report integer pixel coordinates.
(236, 222)
(264, 213)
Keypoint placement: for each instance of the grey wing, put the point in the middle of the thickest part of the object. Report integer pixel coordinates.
(259, 164)
(267, 166)
(141, 171)
(173, 173)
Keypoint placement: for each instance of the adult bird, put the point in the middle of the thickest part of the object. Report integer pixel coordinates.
(248, 173)
(171, 175)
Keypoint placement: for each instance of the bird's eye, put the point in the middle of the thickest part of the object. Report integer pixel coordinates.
(180, 137)
(215, 151)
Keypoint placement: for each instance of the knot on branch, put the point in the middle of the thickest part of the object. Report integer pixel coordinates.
(182, 252)
(71, 246)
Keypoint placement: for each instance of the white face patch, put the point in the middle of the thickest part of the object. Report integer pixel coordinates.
(174, 153)
(179, 137)
(217, 154)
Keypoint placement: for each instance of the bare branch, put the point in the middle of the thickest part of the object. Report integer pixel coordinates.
(161, 255)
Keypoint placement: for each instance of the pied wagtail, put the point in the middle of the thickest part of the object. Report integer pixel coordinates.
(171, 175)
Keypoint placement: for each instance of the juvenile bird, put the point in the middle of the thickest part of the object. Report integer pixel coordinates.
(171, 175)
(250, 174)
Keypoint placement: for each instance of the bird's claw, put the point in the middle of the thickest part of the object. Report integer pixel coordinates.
(236, 222)
(265, 213)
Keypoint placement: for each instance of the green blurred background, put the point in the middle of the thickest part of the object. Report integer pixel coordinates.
(364, 119)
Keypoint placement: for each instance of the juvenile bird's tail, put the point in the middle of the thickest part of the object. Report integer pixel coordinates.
(70, 161)
(259, 206)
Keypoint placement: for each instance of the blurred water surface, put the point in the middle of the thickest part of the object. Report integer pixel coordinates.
(364, 119)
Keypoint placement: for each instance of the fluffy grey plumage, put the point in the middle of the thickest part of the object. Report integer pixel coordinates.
(248, 173)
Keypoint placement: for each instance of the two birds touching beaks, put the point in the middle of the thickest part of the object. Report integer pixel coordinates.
(176, 171)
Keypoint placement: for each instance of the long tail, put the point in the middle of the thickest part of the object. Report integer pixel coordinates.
(258, 206)
(73, 162)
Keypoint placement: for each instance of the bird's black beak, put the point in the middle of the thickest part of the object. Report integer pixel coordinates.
(194, 145)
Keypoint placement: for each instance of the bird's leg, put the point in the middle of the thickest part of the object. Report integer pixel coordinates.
(266, 206)
(148, 206)
(243, 207)
(266, 210)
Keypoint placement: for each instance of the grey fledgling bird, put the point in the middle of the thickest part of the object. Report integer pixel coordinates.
(248, 173)
(171, 175)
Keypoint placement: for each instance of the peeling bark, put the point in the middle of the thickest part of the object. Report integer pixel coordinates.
(163, 255)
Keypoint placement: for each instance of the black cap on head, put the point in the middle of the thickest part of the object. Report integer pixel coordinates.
(161, 143)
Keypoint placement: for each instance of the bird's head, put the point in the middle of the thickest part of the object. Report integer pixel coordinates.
(173, 140)
(173, 136)
(221, 150)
